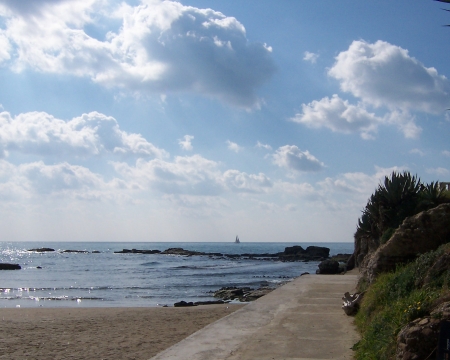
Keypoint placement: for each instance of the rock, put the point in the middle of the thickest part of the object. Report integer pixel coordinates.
(328, 267)
(135, 251)
(76, 251)
(343, 258)
(6, 266)
(44, 249)
(212, 302)
(241, 294)
(297, 253)
(96, 252)
(419, 338)
(417, 234)
(180, 251)
(184, 304)
(230, 293)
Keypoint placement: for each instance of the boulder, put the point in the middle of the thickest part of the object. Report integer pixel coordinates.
(136, 251)
(184, 304)
(317, 251)
(419, 338)
(417, 234)
(328, 267)
(241, 294)
(6, 266)
(297, 253)
(43, 249)
(76, 251)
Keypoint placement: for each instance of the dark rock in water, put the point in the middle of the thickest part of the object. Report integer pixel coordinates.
(294, 250)
(96, 252)
(38, 267)
(241, 294)
(136, 251)
(184, 304)
(297, 253)
(6, 266)
(76, 251)
(341, 257)
(328, 267)
(180, 251)
(212, 302)
(44, 249)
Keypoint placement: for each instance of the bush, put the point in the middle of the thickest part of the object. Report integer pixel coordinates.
(394, 300)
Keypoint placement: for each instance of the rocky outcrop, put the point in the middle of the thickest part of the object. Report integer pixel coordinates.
(419, 338)
(242, 294)
(292, 253)
(417, 234)
(329, 267)
(6, 266)
(297, 253)
(135, 251)
(43, 249)
(190, 303)
(76, 251)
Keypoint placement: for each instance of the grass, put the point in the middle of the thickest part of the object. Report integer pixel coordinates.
(394, 300)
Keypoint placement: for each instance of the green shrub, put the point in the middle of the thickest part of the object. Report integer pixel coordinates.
(394, 300)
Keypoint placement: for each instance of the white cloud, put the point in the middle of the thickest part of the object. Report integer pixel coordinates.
(446, 153)
(292, 158)
(385, 75)
(339, 116)
(186, 175)
(161, 47)
(263, 146)
(233, 146)
(90, 134)
(417, 151)
(440, 171)
(186, 144)
(62, 180)
(311, 57)
(249, 183)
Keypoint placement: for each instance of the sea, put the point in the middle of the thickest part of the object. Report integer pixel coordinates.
(102, 278)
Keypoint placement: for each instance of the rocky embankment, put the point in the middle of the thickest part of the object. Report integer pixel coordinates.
(292, 253)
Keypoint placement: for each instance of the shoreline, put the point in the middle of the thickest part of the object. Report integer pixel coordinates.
(101, 333)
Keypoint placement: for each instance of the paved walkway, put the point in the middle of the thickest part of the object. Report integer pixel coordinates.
(301, 320)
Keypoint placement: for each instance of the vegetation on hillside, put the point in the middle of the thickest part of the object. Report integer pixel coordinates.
(397, 298)
(399, 196)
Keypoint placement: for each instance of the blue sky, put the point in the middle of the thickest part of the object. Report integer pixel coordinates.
(148, 120)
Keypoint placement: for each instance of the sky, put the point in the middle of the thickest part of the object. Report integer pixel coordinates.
(149, 120)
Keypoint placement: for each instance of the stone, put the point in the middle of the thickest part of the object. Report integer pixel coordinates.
(417, 234)
(328, 267)
(184, 304)
(6, 266)
(43, 249)
(418, 339)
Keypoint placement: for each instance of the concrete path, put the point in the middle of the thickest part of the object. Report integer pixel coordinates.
(301, 320)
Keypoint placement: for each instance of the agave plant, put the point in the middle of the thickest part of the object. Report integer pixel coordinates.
(430, 196)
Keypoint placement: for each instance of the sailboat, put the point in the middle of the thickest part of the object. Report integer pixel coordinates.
(237, 240)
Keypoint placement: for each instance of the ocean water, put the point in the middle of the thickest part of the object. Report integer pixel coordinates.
(106, 279)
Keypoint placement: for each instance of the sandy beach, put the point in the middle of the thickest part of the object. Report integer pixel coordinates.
(100, 333)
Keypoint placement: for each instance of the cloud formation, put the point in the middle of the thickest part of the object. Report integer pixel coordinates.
(233, 146)
(91, 134)
(292, 158)
(161, 47)
(385, 75)
(311, 57)
(338, 115)
(186, 144)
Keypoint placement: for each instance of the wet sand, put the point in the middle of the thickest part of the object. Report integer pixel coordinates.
(100, 333)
